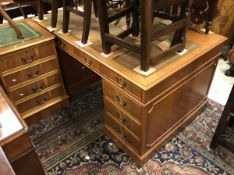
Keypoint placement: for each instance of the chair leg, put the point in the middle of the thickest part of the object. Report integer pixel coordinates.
(211, 11)
(66, 17)
(146, 31)
(1, 20)
(135, 19)
(40, 9)
(87, 20)
(104, 25)
(54, 14)
(179, 36)
(95, 8)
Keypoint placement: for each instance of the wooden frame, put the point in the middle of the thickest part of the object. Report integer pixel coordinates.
(148, 10)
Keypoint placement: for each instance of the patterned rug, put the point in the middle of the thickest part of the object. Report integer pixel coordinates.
(72, 142)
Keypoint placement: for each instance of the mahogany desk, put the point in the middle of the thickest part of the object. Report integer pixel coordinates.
(16, 145)
(144, 112)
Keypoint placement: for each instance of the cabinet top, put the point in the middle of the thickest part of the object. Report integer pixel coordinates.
(34, 34)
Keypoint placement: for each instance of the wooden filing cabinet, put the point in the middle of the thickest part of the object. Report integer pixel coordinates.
(30, 74)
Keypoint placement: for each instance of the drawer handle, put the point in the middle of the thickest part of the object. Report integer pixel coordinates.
(121, 102)
(122, 133)
(38, 88)
(120, 82)
(27, 60)
(42, 101)
(88, 61)
(36, 74)
(121, 118)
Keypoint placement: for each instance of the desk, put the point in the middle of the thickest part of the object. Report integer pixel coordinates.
(144, 112)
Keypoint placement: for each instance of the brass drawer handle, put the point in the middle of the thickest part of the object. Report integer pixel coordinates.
(36, 74)
(120, 82)
(121, 133)
(121, 102)
(42, 101)
(38, 88)
(27, 60)
(121, 118)
(88, 61)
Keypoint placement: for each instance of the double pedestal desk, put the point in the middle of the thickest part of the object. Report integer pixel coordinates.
(142, 112)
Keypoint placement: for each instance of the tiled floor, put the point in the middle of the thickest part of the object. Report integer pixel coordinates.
(221, 85)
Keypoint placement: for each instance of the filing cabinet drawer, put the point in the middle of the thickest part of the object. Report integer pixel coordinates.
(122, 83)
(127, 137)
(123, 118)
(41, 99)
(12, 79)
(35, 87)
(26, 56)
(121, 100)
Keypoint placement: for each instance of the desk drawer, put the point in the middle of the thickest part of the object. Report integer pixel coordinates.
(26, 56)
(41, 99)
(35, 87)
(122, 100)
(79, 55)
(122, 83)
(123, 118)
(126, 136)
(13, 78)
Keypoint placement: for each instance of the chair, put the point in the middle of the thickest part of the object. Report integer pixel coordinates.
(203, 10)
(146, 11)
(55, 4)
(19, 8)
(73, 6)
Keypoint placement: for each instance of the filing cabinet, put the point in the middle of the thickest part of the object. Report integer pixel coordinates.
(30, 74)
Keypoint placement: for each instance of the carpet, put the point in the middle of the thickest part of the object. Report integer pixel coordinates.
(73, 142)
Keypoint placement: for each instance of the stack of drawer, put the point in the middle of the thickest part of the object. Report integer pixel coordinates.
(141, 120)
(123, 110)
(32, 79)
